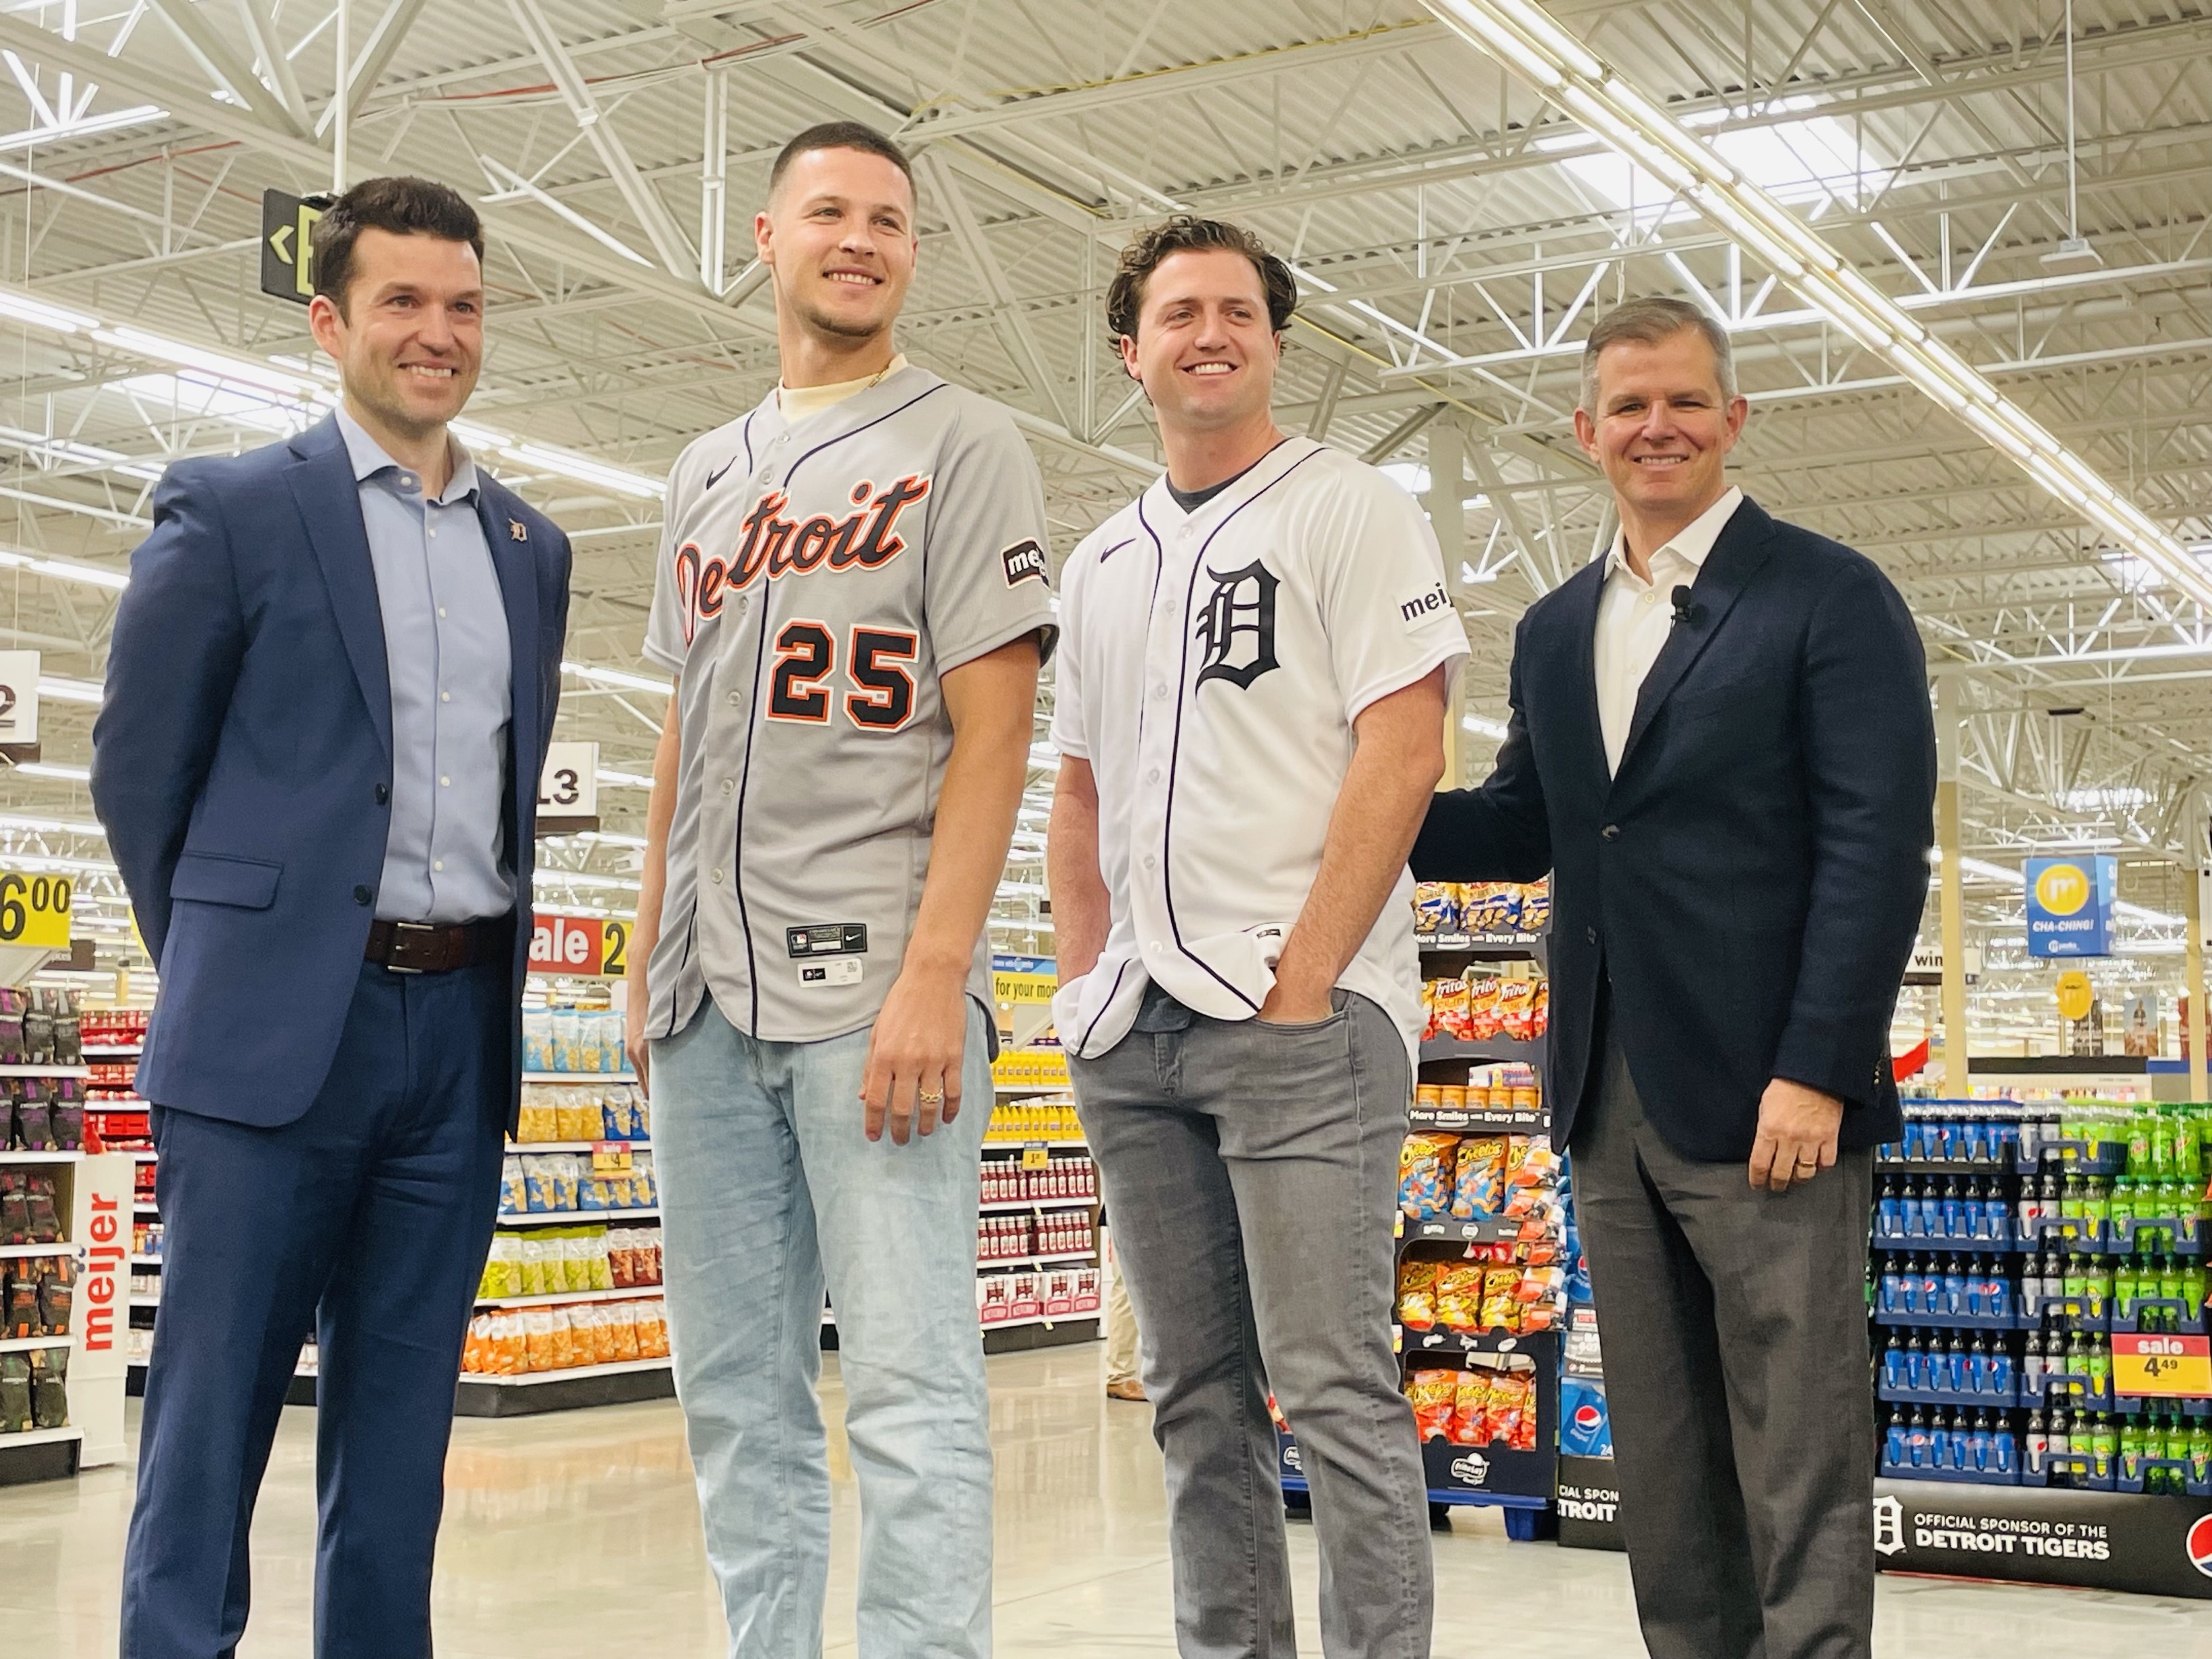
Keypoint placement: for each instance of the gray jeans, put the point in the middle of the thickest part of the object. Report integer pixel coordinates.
(1733, 1323)
(1251, 1171)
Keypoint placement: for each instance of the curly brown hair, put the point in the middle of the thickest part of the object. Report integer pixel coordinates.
(1185, 233)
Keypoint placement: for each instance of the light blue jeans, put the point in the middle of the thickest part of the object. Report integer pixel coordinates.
(768, 1190)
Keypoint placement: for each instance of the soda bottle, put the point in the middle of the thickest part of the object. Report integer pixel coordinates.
(2070, 1201)
(1975, 1133)
(2000, 1372)
(2103, 1447)
(2076, 1285)
(1951, 1298)
(1975, 1377)
(2027, 1208)
(1895, 1454)
(2096, 1291)
(1892, 1364)
(2162, 1147)
(2077, 1367)
(1915, 1363)
(2038, 1449)
(1888, 1213)
(2100, 1356)
(2033, 1367)
(2003, 1452)
(2192, 1290)
(1976, 1300)
(2125, 1195)
(2177, 1451)
(1938, 1371)
(2096, 1206)
(1931, 1208)
(2188, 1146)
(2200, 1450)
(1919, 1446)
(2140, 1133)
(2172, 1287)
(1959, 1445)
(1953, 1210)
(2131, 1451)
(2060, 1447)
(1974, 1443)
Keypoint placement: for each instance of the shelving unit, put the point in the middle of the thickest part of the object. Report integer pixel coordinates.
(92, 1202)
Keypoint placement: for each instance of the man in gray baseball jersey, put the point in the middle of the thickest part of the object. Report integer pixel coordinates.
(852, 593)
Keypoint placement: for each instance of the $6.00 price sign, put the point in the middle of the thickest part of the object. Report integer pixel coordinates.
(34, 910)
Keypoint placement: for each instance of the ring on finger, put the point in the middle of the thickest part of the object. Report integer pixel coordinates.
(930, 1096)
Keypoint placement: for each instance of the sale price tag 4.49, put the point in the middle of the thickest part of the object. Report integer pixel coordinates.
(34, 910)
(2162, 1366)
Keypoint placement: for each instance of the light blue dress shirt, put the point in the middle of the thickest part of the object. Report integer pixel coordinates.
(446, 648)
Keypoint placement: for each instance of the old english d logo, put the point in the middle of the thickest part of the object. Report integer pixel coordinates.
(1236, 628)
(515, 531)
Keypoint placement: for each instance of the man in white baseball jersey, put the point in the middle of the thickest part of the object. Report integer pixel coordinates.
(1250, 706)
(852, 594)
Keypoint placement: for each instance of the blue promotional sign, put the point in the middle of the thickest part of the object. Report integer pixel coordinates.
(2069, 905)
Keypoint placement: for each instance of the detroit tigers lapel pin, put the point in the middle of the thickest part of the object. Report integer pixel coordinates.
(515, 531)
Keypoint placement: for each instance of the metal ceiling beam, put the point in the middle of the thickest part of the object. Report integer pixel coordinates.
(373, 58)
(200, 38)
(1013, 325)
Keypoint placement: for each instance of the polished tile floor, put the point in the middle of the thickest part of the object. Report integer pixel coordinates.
(574, 1536)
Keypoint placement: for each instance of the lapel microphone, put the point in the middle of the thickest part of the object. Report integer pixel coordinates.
(1685, 612)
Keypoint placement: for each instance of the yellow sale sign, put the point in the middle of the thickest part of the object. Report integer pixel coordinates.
(2162, 1366)
(34, 910)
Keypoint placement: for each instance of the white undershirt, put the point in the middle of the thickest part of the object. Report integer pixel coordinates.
(796, 403)
(1634, 616)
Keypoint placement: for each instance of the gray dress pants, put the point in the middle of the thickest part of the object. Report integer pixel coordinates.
(1251, 1172)
(1733, 1323)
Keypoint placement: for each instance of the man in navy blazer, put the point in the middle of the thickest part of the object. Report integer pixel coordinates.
(1719, 746)
(330, 690)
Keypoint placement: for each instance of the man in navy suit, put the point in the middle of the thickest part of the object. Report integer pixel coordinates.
(1720, 745)
(329, 694)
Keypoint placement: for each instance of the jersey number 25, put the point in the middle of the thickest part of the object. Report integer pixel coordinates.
(882, 698)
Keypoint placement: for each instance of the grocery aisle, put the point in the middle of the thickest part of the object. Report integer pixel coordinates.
(574, 1536)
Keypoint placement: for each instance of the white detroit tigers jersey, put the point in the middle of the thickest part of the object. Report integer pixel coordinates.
(815, 579)
(1211, 666)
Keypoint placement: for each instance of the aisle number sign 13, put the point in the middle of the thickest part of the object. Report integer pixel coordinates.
(34, 910)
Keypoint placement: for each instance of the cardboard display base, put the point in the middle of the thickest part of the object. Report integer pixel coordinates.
(2137, 1545)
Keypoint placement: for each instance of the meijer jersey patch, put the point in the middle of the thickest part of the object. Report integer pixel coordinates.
(1024, 562)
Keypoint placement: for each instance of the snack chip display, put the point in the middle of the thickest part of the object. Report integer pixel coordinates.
(1501, 1299)
(1516, 1009)
(1448, 1009)
(1434, 1395)
(1459, 1287)
(1436, 907)
(1484, 993)
(1512, 1415)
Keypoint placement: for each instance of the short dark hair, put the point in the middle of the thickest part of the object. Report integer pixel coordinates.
(403, 206)
(1647, 322)
(1187, 234)
(839, 135)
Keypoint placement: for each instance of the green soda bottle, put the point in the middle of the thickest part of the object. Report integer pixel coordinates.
(2161, 1146)
(2097, 1291)
(2125, 1289)
(2141, 1128)
(2177, 1448)
(2100, 1368)
(2075, 1284)
(2131, 1450)
(2104, 1447)
(2188, 1145)
(2192, 1288)
(2200, 1450)
(2170, 1282)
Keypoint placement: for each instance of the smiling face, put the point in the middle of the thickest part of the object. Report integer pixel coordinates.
(1204, 349)
(410, 343)
(1661, 428)
(838, 238)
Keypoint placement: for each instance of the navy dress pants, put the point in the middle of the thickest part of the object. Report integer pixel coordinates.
(366, 1220)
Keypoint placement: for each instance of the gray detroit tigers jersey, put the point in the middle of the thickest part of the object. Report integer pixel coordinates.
(815, 579)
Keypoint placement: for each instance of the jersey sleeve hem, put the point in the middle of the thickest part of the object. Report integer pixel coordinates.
(1047, 632)
(1445, 653)
(653, 653)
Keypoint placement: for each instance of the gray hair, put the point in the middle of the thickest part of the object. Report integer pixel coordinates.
(1647, 322)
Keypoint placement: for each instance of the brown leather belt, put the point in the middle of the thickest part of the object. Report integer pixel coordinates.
(417, 947)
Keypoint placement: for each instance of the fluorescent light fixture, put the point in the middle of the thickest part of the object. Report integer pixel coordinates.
(63, 570)
(1522, 36)
(623, 780)
(21, 308)
(584, 469)
(579, 878)
(618, 677)
(136, 115)
(2117, 799)
(67, 773)
(240, 370)
(1488, 728)
(51, 826)
(62, 690)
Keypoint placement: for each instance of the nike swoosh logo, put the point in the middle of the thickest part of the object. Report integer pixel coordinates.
(715, 477)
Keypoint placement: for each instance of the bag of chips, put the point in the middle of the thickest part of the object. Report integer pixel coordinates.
(14, 1394)
(1540, 1009)
(1483, 992)
(1501, 1299)
(1512, 1418)
(1435, 1394)
(1436, 908)
(1424, 1179)
(1517, 999)
(1536, 907)
(622, 1329)
(1471, 1407)
(1417, 1295)
(476, 1347)
(537, 1340)
(1448, 1002)
(1459, 1297)
(1483, 909)
(1478, 1183)
(57, 1275)
(514, 1190)
(651, 1330)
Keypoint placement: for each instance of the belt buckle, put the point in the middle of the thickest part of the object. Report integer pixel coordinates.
(399, 930)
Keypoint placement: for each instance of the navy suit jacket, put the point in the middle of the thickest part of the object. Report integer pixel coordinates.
(242, 761)
(1752, 878)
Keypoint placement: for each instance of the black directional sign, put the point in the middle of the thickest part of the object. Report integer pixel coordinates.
(288, 249)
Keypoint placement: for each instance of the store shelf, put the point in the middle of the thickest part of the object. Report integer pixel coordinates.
(145, 1206)
(40, 1157)
(58, 1247)
(25, 1343)
(571, 1373)
(640, 1293)
(1478, 941)
(39, 1437)
(1087, 1316)
(571, 1218)
(1485, 1229)
(1017, 1262)
(1460, 1342)
(1022, 1145)
(1495, 1051)
(46, 1071)
(113, 1050)
(1014, 1205)
(2007, 1401)
(622, 1384)
(1958, 1321)
(1519, 1120)
(579, 1077)
(146, 1260)
(524, 1148)
(142, 1156)
(1030, 1088)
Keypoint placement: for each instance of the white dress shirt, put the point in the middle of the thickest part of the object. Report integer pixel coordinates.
(1634, 616)
(1213, 666)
